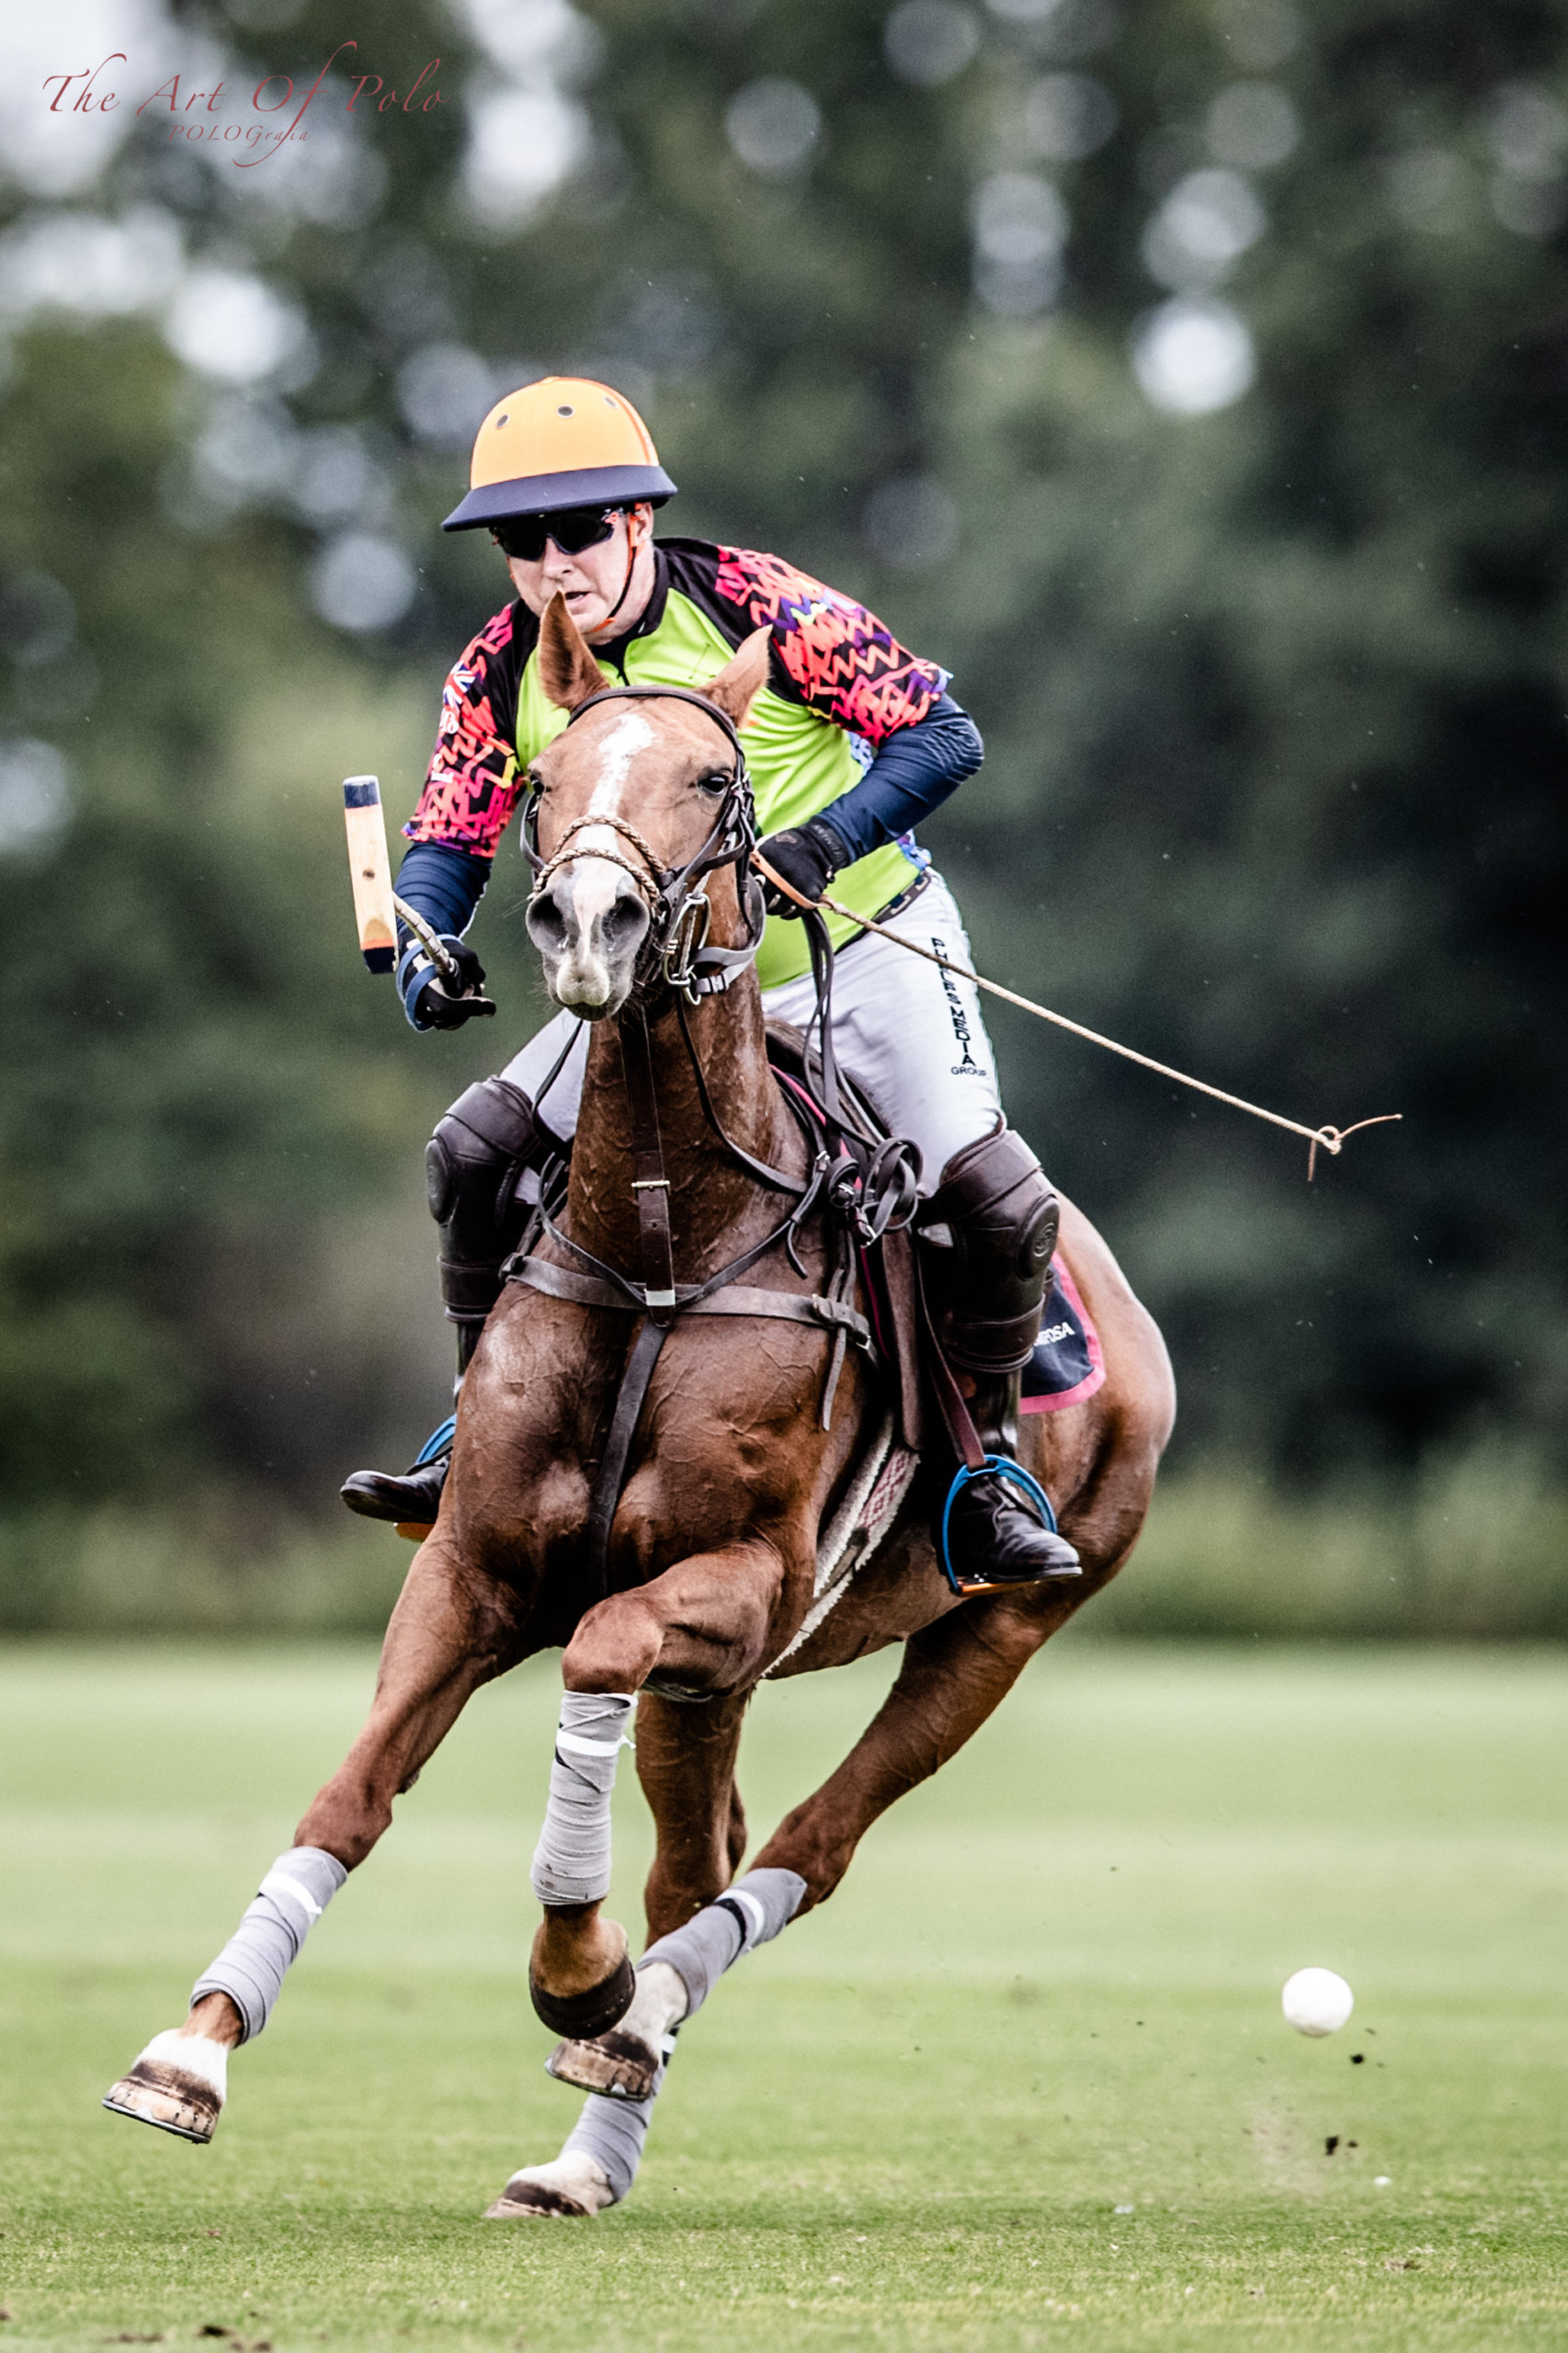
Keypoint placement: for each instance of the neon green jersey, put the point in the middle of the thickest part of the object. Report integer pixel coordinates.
(839, 683)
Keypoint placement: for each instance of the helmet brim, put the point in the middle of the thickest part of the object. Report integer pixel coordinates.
(497, 501)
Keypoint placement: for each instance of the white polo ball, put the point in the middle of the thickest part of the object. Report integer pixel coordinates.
(1316, 2001)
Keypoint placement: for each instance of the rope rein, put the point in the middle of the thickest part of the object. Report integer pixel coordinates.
(1326, 1139)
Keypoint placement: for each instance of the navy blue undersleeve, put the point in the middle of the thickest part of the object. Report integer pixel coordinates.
(444, 884)
(914, 772)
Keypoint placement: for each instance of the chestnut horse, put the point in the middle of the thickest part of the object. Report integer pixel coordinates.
(712, 1550)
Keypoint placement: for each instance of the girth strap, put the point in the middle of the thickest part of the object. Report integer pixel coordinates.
(834, 1316)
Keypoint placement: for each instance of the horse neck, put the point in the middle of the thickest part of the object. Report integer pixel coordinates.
(714, 1203)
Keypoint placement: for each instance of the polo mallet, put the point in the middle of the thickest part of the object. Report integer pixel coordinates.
(378, 909)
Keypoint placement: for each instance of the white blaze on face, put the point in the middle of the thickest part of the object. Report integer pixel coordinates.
(594, 881)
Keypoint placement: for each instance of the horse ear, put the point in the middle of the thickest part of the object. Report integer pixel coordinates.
(567, 670)
(741, 679)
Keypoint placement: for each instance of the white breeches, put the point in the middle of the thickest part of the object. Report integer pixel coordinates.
(911, 1034)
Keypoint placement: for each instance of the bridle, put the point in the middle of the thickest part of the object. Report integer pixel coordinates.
(676, 952)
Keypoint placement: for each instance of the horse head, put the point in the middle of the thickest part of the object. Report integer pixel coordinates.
(640, 825)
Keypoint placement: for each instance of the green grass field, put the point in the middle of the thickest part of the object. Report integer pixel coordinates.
(1023, 2083)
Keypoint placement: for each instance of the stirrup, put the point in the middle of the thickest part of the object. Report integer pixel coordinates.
(1006, 1468)
(440, 1442)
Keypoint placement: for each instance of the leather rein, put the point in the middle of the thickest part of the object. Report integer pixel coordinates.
(867, 1187)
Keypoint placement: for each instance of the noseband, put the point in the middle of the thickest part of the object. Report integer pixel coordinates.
(676, 950)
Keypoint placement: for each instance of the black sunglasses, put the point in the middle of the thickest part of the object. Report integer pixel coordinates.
(572, 530)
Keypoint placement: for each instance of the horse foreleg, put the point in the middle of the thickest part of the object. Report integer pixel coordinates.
(954, 1673)
(451, 1632)
(685, 1763)
(705, 1623)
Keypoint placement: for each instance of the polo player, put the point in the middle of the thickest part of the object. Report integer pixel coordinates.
(853, 741)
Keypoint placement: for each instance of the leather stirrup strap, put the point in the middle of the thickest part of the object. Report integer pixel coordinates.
(649, 1182)
(651, 1188)
(950, 1398)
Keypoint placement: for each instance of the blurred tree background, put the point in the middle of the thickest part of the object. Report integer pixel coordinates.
(1188, 379)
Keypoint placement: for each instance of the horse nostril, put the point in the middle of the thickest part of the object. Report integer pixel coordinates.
(546, 924)
(623, 924)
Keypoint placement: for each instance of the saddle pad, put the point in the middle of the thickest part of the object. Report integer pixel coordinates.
(1067, 1365)
(857, 1527)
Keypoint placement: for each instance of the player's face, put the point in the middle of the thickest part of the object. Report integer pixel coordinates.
(593, 579)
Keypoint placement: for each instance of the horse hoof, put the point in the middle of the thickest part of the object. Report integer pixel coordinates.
(176, 2085)
(580, 2016)
(621, 2066)
(572, 2189)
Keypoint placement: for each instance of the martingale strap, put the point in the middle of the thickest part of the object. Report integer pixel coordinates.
(618, 1453)
(649, 1183)
(660, 1300)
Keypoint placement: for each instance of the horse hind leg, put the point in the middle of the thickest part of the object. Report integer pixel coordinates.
(598, 2165)
(624, 2062)
(674, 1977)
(626, 2067)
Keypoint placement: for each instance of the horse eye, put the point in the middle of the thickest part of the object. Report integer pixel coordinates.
(716, 780)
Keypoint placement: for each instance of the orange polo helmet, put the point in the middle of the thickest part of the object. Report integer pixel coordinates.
(565, 441)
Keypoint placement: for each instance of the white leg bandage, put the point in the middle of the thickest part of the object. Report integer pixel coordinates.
(751, 1912)
(572, 1860)
(612, 2132)
(251, 1967)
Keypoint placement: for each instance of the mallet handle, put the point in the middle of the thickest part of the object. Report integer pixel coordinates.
(369, 870)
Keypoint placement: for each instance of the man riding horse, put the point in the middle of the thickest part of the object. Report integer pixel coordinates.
(852, 741)
(683, 1483)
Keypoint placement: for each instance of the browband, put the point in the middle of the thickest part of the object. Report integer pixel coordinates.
(664, 694)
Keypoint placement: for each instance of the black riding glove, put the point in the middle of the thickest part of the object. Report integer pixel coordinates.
(432, 1003)
(808, 856)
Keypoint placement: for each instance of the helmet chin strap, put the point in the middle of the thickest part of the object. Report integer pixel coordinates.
(633, 547)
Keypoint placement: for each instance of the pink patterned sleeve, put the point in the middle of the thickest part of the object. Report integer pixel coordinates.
(471, 788)
(842, 660)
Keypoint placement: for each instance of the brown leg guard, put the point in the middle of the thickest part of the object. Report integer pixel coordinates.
(473, 1167)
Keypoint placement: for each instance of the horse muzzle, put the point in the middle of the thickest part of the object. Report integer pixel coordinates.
(589, 923)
